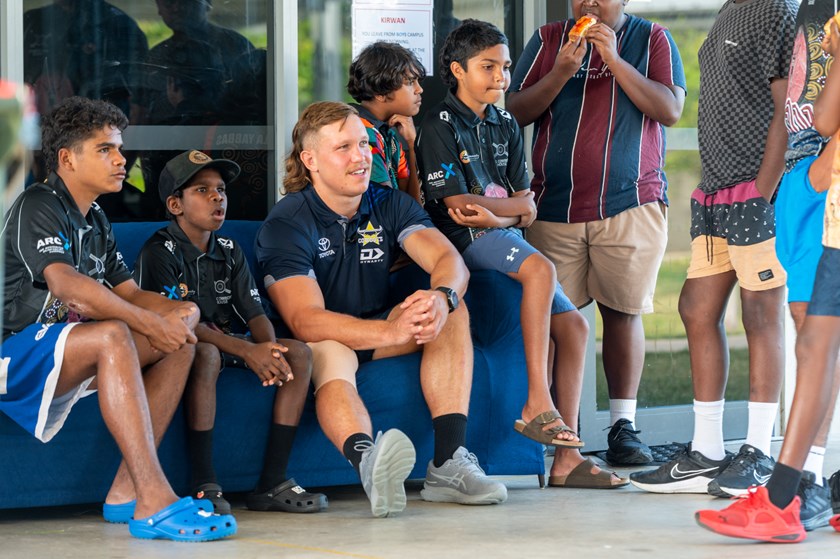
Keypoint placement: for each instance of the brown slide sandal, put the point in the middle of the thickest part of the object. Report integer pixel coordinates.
(534, 430)
(583, 478)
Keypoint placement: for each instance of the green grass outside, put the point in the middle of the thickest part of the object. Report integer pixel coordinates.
(667, 379)
(665, 323)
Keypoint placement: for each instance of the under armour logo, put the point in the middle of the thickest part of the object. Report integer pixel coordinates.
(512, 254)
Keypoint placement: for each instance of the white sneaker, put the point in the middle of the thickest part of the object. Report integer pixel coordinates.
(384, 468)
(461, 480)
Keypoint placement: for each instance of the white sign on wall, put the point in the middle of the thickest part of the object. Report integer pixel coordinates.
(407, 22)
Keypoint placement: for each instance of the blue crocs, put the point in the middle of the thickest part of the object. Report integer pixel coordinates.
(119, 514)
(183, 521)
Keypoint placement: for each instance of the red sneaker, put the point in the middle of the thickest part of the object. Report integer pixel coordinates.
(754, 517)
(835, 522)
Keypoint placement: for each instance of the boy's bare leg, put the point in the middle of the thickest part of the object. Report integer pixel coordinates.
(763, 319)
(624, 352)
(291, 397)
(164, 382)
(816, 389)
(798, 312)
(107, 349)
(702, 306)
(538, 278)
(569, 332)
(200, 392)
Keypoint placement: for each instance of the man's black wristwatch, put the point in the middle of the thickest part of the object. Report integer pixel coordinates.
(451, 297)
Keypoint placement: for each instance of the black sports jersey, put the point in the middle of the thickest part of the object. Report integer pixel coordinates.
(459, 153)
(350, 259)
(218, 281)
(44, 226)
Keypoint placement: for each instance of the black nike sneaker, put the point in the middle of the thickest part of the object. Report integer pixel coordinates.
(815, 507)
(625, 448)
(688, 472)
(834, 488)
(749, 467)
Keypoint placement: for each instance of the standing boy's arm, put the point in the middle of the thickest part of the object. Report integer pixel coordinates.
(773, 162)
(529, 102)
(827, 106)
(660, 102)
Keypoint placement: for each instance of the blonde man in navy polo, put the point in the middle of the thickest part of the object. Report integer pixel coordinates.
(326, 250)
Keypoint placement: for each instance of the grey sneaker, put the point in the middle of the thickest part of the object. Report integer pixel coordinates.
(384, 468)
(461, 480)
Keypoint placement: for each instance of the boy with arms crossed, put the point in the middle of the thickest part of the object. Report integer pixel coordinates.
(477, 193)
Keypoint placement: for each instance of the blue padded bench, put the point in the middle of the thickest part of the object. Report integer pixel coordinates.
(78, 464)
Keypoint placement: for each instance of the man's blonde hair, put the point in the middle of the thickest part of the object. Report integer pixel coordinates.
(313, 118)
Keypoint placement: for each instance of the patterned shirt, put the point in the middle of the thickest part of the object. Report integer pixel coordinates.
(808, 68)
(749, 45)
(388, 163)
(595, 153)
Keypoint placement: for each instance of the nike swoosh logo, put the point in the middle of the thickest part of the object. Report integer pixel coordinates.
(761, 479)
(676, 473)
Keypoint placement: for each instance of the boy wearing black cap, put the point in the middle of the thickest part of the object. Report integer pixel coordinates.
(187, 261)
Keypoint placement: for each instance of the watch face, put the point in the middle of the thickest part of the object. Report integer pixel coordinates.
(451, 297)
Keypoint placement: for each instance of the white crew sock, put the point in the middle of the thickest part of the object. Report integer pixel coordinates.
(762, 418)
(814, 462)
(622, 409)
(708, 429)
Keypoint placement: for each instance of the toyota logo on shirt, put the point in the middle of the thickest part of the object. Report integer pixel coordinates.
(323, 243)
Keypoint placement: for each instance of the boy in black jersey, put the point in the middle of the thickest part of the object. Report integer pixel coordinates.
(69, 294)
(188, 261)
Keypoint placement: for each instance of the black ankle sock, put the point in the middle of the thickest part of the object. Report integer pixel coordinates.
(277, 451)
(450, 433)
(353, 450)
(200, 444)
(783, 485)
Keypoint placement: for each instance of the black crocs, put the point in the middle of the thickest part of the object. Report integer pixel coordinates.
(213, 493)
(287, 497)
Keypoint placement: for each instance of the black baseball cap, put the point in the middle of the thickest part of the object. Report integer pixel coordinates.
(181, 168)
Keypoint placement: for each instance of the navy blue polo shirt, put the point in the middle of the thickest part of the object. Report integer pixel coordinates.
(460, 153)
(350, 259)
(218, 281)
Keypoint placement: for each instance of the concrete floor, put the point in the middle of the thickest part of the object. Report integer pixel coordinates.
(533, 523)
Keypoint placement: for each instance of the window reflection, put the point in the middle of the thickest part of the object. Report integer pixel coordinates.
(190, 74)
(324, 45)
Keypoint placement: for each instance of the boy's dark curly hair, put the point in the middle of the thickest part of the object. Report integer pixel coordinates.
(72, 122)
(380, 69)
(464, 42)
